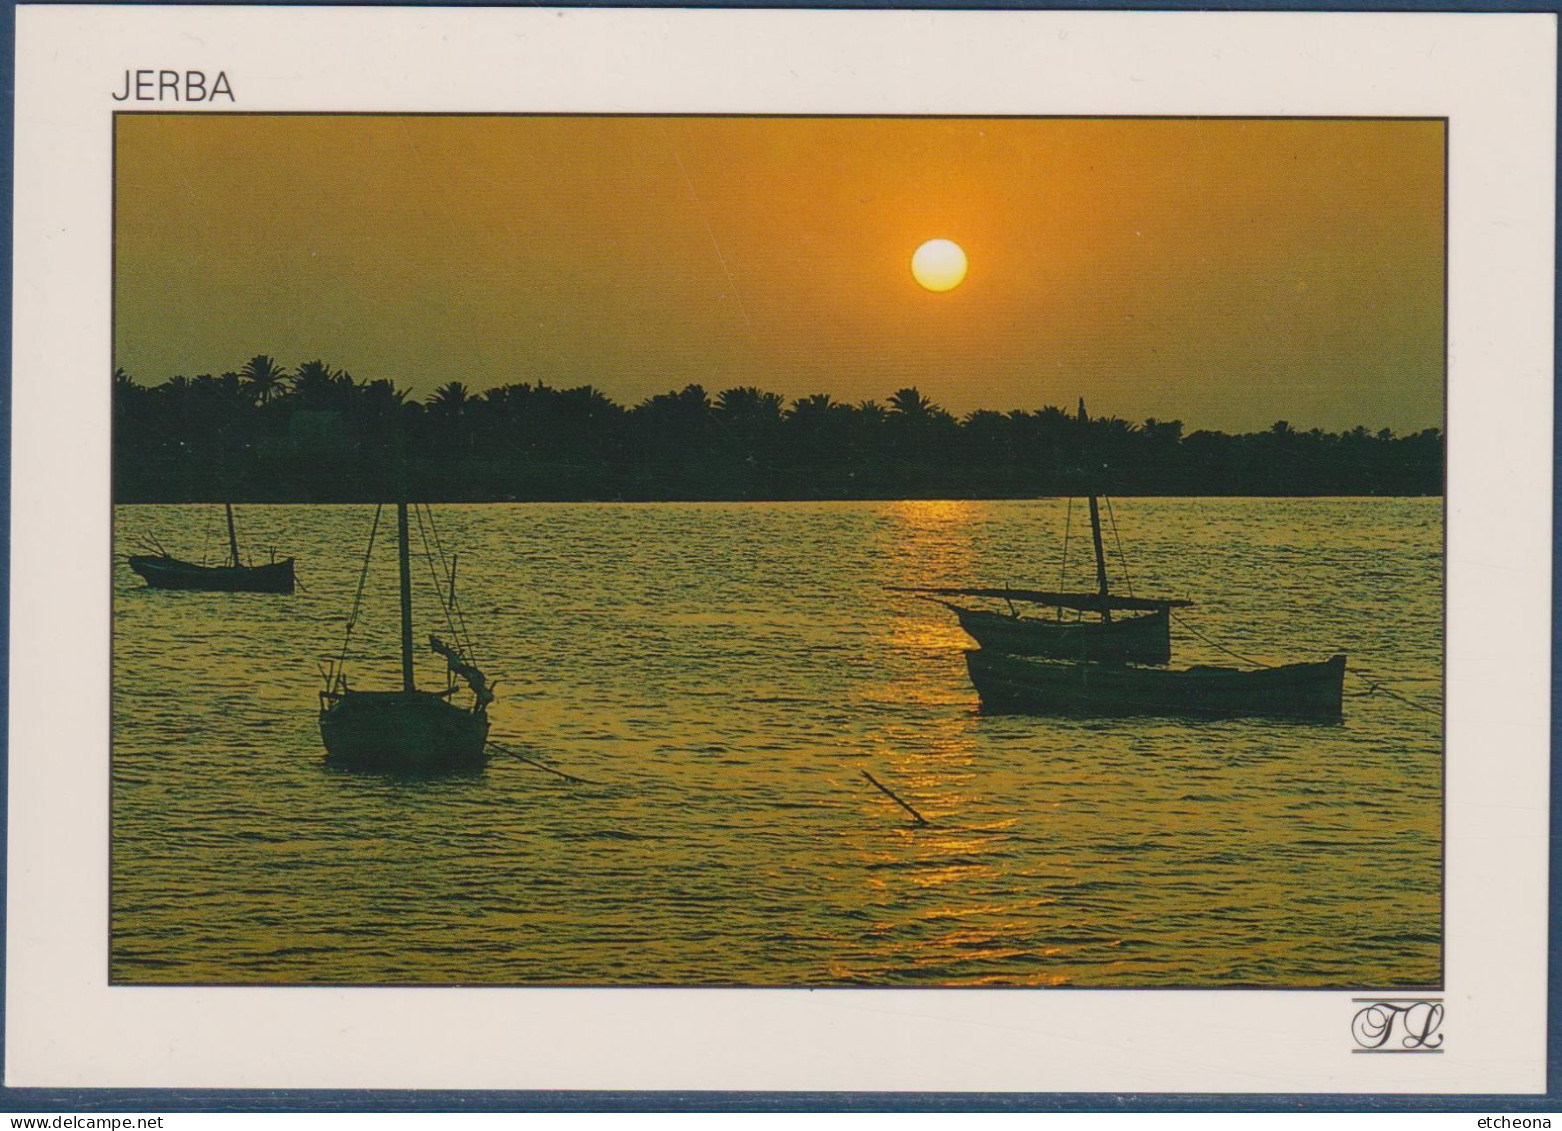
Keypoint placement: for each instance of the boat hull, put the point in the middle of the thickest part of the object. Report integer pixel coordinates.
(402, 732)
(171, 573)
(1142, 639)
(1020, 685)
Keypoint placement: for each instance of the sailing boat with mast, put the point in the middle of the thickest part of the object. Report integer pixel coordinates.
(1141, 637)
(409, 729)
(1111, 667)
(163, 571)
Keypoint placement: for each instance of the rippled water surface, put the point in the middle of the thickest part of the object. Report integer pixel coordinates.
(727, 672)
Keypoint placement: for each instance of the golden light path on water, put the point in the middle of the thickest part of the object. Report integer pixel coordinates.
(727, 672)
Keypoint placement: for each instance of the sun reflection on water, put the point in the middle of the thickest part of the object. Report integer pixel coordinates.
(728, 673)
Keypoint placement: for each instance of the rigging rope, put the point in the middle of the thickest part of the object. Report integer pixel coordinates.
(1068, 522)
(1112, 518)
(464, 636)
(439, 592)
(428, 556)
(363, 576)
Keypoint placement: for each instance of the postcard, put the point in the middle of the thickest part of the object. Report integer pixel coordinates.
(673, 549)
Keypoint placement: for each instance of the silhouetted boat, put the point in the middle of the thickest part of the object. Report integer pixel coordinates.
(1025, 685)
(1141, 638)
(1112, 666)
(162, 571)
(407, 730)
(1144, 638)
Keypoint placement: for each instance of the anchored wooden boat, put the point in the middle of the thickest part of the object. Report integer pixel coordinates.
(162, 571)
(1112, 664)
(1143, 637)
(1022, 685)
(409, 730)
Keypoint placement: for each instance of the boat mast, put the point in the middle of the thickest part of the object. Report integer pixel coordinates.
(404, 561)
(1095, 536)
(233, 537)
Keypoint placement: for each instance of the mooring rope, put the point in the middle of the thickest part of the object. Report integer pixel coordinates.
(918, 818)
(1374, 685)
(540, 765)
(1216, 644)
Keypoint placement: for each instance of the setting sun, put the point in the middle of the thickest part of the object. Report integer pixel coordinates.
(1055, 258)
(939, 265)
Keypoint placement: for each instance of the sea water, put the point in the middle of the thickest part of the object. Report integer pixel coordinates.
(722, 675)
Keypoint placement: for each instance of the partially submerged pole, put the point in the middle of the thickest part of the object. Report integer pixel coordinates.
(887, 792)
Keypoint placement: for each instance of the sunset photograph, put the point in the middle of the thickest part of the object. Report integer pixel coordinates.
(724, 550)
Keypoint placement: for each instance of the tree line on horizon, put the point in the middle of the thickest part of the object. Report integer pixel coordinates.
(266, 433)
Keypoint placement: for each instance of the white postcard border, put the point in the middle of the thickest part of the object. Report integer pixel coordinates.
(1492, 76)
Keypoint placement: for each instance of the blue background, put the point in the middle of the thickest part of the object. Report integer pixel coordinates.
(133, 1101)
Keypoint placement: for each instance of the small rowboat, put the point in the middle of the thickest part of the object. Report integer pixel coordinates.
(162, 571)
(1024, 685)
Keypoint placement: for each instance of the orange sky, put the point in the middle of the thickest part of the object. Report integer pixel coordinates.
(1227, 273)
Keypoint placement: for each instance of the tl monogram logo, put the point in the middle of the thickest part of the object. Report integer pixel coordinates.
(1398, 1024)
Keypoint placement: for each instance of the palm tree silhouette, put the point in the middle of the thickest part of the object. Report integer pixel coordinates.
(450, 399)
(212, 437)
(317, 386)
(747, 402)
(814, 407)
(263, 378)
(911, 404)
